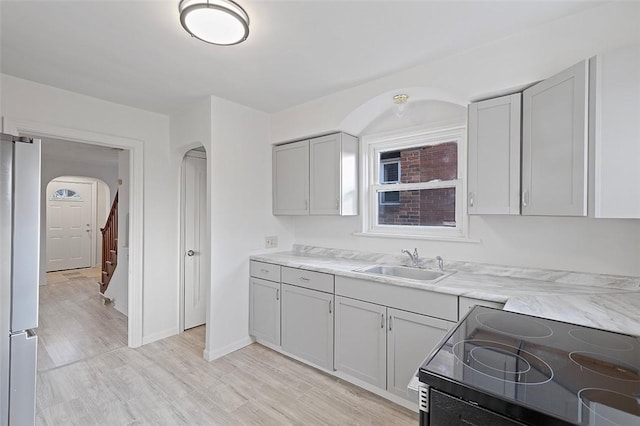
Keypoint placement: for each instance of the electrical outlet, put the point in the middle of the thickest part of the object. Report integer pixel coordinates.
(271, 242)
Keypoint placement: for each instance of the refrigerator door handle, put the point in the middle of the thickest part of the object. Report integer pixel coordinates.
(22, 378)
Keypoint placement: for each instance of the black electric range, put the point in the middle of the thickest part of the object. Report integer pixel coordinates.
(502, 368)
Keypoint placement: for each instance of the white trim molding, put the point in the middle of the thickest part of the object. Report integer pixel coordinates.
(135, 147)
(373, 145)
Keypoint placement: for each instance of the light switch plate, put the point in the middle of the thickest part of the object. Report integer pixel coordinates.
(271, 242)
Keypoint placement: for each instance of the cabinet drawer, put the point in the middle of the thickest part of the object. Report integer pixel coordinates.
(308, 279)
(266, 271)
(438, 305)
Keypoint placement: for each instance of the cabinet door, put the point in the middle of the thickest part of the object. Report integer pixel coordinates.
(361, 340)
(410, 338)
(614, 134)
(324, 178)
(494, 156)
(291, 179)
(554, 145)
(307, 325)
(264, 310)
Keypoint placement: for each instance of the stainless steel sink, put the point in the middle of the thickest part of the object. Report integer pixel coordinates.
(405, 272)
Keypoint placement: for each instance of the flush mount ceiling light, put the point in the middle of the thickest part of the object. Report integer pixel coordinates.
(221, 22)
(400, 104)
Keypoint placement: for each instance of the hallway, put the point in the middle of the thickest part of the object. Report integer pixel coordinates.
(73, 322)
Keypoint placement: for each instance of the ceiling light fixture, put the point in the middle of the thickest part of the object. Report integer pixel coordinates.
(400, 104)
(221, 22)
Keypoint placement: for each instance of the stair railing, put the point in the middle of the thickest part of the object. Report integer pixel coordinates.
(109, 245)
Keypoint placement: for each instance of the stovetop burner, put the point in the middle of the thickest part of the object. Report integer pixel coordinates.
(612, 342)
(605, 365)
(533, 368)
(503, 362)
(607, 407)
(531, 328)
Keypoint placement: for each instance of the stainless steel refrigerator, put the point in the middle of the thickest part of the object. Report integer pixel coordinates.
(19, 275)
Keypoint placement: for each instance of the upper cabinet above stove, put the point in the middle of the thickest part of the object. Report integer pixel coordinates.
(580, 144)
(554, 145)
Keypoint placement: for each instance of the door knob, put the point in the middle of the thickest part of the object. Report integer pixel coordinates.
(191, 253)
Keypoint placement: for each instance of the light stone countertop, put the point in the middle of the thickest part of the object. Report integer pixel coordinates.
(602, 301)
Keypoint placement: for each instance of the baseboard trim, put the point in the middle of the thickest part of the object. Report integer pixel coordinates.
(210, 355)
(159, 335)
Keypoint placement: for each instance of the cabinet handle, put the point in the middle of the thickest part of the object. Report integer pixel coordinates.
(471, 199)
(390, 322)
(337, 203)
(525, 198)
(277, 294)
(264, 271)
(330, 306)
(306, 204)
(303, 279)
(381, 320)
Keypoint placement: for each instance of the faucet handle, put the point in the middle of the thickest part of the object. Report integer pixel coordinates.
(415, 252)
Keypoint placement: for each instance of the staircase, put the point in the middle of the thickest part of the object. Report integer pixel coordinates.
(109, 246)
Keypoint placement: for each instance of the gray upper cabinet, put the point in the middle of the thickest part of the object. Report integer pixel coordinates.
(614, 134)
(494, 156)
(307, 324)
(361, 340)
(291, 179)
(554, 145)
(317, 176)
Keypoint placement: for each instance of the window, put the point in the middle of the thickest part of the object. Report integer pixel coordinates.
(390, 173)
(65, 195)
(414, 184)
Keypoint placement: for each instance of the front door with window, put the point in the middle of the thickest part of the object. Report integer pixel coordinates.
(69, 225)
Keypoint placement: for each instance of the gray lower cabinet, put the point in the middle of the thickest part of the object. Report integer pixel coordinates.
(383, 346)
(307, 324)
(410, 338)
(264, 310)
(361, 340)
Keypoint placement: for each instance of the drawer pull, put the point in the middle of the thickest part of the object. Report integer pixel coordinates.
(303, 279)
(264, 271)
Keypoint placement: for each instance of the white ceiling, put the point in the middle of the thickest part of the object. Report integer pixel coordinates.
(136, 53)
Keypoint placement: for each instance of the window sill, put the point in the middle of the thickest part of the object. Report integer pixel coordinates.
(456, 239)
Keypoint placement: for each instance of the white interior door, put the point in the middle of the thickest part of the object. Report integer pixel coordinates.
(195, 244)
(69, 225)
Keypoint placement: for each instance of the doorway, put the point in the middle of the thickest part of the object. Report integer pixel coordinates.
(76, 208)
(195, 260)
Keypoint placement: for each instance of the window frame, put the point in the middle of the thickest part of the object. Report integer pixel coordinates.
(374, 145)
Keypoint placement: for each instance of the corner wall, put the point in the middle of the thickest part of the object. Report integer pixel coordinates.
(239, 173)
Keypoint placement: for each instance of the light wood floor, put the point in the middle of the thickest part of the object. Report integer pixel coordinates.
(169, 383)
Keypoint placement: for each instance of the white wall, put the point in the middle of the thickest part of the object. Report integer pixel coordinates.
(239, 173)
(28, 101)
(582, 244)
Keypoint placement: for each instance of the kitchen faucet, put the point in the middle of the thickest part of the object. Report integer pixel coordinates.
(440, 263)
(415, 258)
